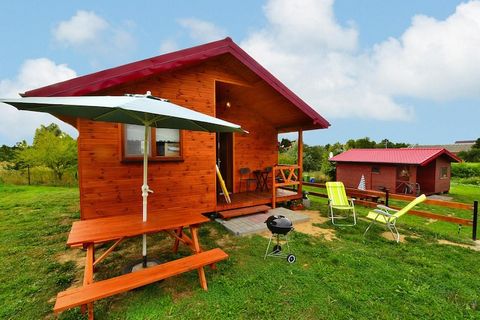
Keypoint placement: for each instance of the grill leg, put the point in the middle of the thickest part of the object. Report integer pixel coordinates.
(268, 247)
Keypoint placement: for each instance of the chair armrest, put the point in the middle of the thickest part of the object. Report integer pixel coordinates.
(383, 213)
(351, 200)
(381, 206)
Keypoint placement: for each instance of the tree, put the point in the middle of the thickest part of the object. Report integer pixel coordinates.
(473, 155)
(477, 144)
(365, 143)
(312, 157)
(285, 144)
(51, 148)
(7, 153)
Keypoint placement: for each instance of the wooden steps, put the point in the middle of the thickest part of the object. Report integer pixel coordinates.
(227, 214)
(105, 288)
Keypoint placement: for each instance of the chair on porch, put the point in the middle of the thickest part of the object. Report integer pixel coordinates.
(268, 171)
(246, 178)
(338, 201)
(389, 216)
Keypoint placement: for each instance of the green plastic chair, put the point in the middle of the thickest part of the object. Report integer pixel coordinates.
(389, 216)
(339, 202)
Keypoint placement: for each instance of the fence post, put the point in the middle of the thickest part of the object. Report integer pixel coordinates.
(386, 197)
(475, 220)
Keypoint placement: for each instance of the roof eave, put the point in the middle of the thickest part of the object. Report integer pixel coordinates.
(94, 82)
(440, 153)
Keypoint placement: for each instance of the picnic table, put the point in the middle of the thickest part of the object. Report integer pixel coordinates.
(88, 233)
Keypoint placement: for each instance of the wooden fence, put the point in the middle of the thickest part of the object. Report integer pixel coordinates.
(284, 176)
(370, 198)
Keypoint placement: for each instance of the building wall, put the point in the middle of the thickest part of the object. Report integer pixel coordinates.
(442, 184)
(255, 150)
(385, 179)
(351, 173)
(427, 176)
(109, 186)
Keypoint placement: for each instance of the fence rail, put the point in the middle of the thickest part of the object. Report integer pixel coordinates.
(284, 176)
(369, 198)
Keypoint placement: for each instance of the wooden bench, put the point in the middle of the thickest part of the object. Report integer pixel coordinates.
(105, 288)
(227, 214)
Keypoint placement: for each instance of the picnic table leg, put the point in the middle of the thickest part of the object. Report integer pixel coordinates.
(177, 241)
(88, 276)
(196, 244)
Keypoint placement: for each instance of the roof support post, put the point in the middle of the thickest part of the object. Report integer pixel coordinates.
(300, 159)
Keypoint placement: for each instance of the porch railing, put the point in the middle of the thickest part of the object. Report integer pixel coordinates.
(284, 176)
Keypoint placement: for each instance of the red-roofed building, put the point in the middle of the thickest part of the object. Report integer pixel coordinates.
(399, 170)
(218, 79)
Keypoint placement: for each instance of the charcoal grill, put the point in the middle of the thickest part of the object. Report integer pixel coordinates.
(279, 226)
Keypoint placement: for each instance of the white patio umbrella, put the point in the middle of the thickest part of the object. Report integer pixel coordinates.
(144, 110)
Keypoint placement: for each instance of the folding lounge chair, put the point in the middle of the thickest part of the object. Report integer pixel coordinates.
(389, 216)
(338, 201)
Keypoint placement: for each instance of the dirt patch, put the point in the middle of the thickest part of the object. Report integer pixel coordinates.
(440, 197)
(475, 247)
(389, 236)
(77, 256)
(309, 228)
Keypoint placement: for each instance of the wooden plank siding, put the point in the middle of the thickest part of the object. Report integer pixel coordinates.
(110, 186)
(255, 150)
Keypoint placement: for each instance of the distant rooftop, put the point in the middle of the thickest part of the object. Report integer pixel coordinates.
(416, 156)
(459, 146)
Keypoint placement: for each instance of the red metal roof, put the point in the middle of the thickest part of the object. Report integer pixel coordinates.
(97, 81)
(401, 156)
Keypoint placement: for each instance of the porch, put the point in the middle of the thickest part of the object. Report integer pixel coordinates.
(249, 199)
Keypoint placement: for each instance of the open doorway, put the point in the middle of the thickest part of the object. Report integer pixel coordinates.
(225, 159)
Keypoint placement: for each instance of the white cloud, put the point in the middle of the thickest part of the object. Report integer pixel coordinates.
(18, 125)
(82, 28)
(168, 45)
(319, 59)
(314, 55)
(293, 23)
(99, 39)
(202, 31)
(437, 60)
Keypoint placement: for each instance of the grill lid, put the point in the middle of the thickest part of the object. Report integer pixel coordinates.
(279, 224)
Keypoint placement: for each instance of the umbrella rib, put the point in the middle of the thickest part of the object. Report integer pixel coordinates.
(115, 109)
(191, 121)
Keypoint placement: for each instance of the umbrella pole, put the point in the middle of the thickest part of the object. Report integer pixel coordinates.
(145, 191)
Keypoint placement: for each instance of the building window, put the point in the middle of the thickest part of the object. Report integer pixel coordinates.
(376, 169)
(166, 145)
(443, 173)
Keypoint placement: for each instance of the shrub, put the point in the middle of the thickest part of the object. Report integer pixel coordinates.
(465, 170)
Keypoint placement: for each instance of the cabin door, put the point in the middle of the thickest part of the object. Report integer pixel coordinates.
(225, 159)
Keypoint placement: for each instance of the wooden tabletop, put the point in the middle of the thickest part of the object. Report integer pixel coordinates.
(116, 227)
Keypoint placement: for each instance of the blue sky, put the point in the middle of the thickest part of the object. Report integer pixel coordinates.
(403, 70)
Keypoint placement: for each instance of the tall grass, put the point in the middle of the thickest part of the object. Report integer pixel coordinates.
(37, 176)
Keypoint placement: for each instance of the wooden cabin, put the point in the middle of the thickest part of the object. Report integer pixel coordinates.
(408, 171)
(218, 79)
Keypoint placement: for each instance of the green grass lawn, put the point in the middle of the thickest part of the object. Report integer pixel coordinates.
(353, 277)
(431, 228)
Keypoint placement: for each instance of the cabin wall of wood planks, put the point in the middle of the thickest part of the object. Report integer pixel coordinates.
(428, 176)
(442, 184)
(255, 150)
(109, 186)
